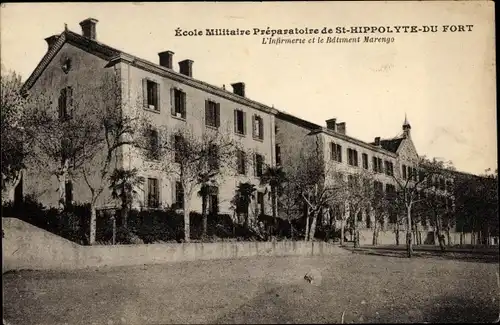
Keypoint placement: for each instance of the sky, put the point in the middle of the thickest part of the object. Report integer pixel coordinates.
(444, 81)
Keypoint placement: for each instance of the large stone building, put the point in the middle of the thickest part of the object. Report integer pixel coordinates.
(386, 161)
(177, 100)
(170, 98)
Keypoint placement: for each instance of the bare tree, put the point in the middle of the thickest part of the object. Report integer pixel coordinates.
(410, 185)
(15, 145)
(81, 135)
(191, 158)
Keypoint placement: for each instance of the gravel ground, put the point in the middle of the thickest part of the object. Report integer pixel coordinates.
(357, 288)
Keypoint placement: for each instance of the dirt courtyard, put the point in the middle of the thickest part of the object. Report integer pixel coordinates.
(355, 288)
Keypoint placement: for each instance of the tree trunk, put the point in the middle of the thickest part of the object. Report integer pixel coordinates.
(342, 232)
(397, 233)
(245, 220)
(93, 219)
(113, 219)
(313, 226)
(356, 230)
(186, 219)
(438, 232)
(409, 247)
(124, 214)
(62, 177)
(375, 233)
(448, 235)
(204, 215)
(306, 236)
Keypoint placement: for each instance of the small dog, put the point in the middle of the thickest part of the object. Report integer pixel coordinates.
(308, 278)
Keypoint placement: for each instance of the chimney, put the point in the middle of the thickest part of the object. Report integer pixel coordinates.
(51, 40)
(186, 67)
(166, 59)
(331, 124)
(377, 141)
(239, 88)
(341, 128)
(88, 28)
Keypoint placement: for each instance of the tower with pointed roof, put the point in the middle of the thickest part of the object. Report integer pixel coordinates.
(406, 128)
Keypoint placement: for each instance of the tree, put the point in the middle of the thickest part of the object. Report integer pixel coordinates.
(206, 186)
(80, 136)
(476, 203)
(243, 197)
(411, 184)
(123, 184)
(274, 177)
(359, 192)
(380, 205)
(192, 159)
(13, 138)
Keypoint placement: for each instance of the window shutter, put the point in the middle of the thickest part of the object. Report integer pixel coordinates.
(254, 122)
(183, 104)
(145, 92)
(207, 113)
(244, 123)
(172, 101)
(255, 164)
(261, 128)
(217, 115)
(158, 98)
(339, 148)
(235, 121)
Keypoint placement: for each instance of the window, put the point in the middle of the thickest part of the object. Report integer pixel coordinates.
(258, 127)
(352, 181)
(213, 200)
(377, 165)
(260, 203)
(276, 130)
(368, 219)
(365, 160)
(66, 149)
(213, 157)
(178, 144)
(212, 114)
(404, 172)
(239, 122)
(378, 188)
(389, 168)
(65, 103)
(421, 175)
(178, 103)
(151, 94)
(259, 165)
(153, 193)
(335, 152)
(278, 155)
(179, 195)
(352, 157)
(241, 157)
(68, 189)
(390, 189)
(442, 185)
(153, 147)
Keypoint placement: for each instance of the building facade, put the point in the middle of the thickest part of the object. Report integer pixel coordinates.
(167, 98)
(176, 100)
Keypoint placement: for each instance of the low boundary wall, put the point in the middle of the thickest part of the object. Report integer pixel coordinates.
(28, 247)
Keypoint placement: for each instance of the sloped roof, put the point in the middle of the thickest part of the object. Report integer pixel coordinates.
(114, 56)
(391, 145)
